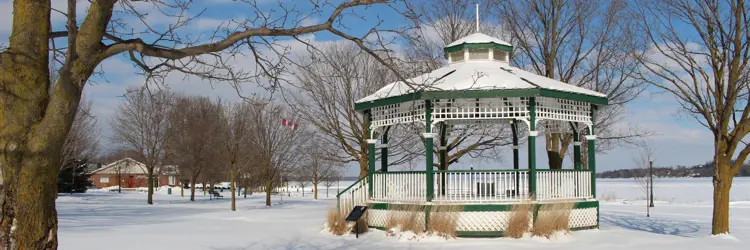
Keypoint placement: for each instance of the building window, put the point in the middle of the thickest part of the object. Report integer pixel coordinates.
(499, 55)
(457, 56)
(479, 54)
(104, 179)
(171, 180)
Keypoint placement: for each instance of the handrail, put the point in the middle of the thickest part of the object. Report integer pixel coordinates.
(563, 170)
(481, 170)
(350, 186)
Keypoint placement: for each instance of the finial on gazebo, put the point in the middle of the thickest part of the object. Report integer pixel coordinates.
(477, 5)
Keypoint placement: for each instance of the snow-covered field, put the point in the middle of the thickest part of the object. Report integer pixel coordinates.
(107, 220)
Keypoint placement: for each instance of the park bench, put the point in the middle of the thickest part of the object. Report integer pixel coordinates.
(216, 194)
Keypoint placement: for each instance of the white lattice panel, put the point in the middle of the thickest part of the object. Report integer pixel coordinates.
(562, 110)
(406, 112)
(477, 109)
(583, 217)
(493, 221)
(376, 217)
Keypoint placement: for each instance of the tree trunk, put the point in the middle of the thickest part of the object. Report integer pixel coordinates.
(363, 167)
(204, 188)
(246, 184)
(192, 188)
(150, 185)
(315, 191)
(268, 193)
(231, 185)
(722, 181)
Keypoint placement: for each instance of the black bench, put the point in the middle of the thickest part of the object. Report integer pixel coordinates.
(216, 194)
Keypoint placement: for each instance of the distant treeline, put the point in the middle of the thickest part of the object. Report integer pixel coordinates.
(702, 170)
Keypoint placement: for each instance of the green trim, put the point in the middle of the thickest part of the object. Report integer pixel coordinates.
(592, 154)
(371, 166)
(384, 151)
(573, 96)
(563, 170)
(482, 207)
(456, 48)
(388, 101)
(430, 185)
(532, 148)
(402, 172)
(583, 228)
(429, 95)
(481, 171)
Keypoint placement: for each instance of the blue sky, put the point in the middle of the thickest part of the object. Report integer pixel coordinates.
(680, 140)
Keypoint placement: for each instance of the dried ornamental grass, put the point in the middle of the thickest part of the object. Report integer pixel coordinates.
(444, 220)
(337, 224)
(551, 218)
(405, 218)
(519, 220)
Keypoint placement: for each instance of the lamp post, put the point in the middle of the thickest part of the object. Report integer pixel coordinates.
(651, 181)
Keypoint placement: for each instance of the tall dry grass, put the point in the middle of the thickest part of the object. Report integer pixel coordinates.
(444, 220)
(405, 217)
(552, 217)
(337, 224)
(519, 220)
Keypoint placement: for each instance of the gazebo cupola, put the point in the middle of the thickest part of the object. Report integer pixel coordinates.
(478, 47)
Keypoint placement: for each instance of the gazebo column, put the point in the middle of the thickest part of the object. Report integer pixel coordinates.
(428, 136)
(370, 164)
(576, 148)
(514, 129)
(591, 143)
(443, 155)
(532, 147)
(384, 151)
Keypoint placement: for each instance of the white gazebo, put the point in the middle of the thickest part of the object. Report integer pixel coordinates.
(480, 87)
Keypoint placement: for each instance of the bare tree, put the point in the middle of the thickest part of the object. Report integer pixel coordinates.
(331, 179)
(277, 148)
(141, 125)
(315, 168)
(82, 141)
(234, 136)
(37, 115)
(587, 43)
(704, 64)
(644, 177)
(195, 126)
(330, 83)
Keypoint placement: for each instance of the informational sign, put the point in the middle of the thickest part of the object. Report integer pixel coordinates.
(356, 213)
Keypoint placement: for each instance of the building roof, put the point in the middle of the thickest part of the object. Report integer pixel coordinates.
(478, 38)
(479, 75)
(130, 166)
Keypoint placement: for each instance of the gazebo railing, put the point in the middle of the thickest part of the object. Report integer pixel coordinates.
(563, 184)
(354, 195)
(404, 186)
(481, 186)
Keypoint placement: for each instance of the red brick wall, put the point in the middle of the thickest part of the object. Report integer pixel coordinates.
(139, 180)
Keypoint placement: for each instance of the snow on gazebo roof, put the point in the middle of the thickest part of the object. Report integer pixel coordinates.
(468, 77)
(478, 38)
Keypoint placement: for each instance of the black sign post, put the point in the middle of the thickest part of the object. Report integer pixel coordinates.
(354, 215)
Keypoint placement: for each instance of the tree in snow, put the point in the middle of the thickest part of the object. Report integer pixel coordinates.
(315, 168)
(37, 115)
(74, 178)
(234, 136)
(195, 128)
(276, 148)
(587, 43)
(141, 125)
(82, 141)
(332, 178)
(704, 65)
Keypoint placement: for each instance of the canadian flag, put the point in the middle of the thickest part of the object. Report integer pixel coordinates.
(287, 123)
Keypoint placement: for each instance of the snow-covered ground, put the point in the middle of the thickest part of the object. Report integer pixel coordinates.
(108, 220)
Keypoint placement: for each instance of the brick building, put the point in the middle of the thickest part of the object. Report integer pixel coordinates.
(130, 173)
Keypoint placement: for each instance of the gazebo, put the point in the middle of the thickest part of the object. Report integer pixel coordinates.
(480, 88)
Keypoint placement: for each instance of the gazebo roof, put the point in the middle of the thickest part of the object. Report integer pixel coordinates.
(476, 41)
(477, 80)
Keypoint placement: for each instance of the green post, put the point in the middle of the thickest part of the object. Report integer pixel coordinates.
(370, 163)
(428, 136)
(591, 142)
(384, 152)
(532, 147)
(576, 148)
(514, 129)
